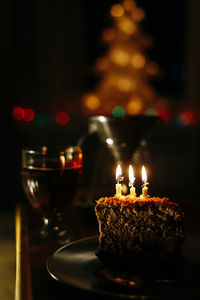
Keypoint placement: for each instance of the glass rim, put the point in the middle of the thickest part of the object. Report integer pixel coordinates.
(39, 150)
(103, 118)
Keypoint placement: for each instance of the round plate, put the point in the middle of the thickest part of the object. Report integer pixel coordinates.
(77, 265)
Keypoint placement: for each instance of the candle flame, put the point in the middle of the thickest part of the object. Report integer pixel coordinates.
(131, 175)
(144, 175)
(118, 172)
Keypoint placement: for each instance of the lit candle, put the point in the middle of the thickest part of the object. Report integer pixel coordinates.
(144, 186)
(118, 179)
(131, 182)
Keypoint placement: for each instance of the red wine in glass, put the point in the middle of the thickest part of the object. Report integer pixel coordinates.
(50, 183)
(51, 190)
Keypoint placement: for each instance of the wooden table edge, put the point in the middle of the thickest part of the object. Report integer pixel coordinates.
(23, 288)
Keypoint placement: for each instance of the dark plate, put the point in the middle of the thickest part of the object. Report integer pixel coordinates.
(77, 265)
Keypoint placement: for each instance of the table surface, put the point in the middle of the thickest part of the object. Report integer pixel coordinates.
(33, 282)
(7, 257)
(32, 278)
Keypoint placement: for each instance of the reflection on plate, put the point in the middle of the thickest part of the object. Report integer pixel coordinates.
(77, 265)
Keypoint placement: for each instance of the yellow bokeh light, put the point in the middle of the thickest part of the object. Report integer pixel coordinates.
(138, 14)
(124, 84)
(138, 61)
(108, 34)
(120, 57)
(134, 106)
(92, 102)
(127, 26)
(117, 10)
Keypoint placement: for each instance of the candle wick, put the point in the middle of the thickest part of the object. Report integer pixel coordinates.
(145, 184)
(131, 183)
(119, 179)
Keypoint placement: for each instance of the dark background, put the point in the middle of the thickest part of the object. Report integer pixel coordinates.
(48, 49)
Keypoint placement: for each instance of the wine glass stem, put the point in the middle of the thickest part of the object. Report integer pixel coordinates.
(53, 226)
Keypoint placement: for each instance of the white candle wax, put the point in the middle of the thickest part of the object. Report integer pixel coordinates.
(131, 182)
(118, 185)
(144, 179)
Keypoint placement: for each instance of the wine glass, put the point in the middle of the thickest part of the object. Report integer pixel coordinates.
(109, 141)
(50, 181)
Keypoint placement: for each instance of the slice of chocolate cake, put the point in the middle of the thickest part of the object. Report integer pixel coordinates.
(135, 229)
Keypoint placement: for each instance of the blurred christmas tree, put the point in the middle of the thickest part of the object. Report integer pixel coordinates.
(125, 70)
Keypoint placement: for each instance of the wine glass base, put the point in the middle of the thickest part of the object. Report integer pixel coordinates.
(52, 237)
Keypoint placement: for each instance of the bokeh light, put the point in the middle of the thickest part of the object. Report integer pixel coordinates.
(163, 113)
(185, 118)
(118, 112)
(62, 118)
(117, 10)
(138, 14)
(151, 112)
(109, 141)
(92, 101)
(18, 113)
(124, 84)
(40, 120)
(134, 106)
(138, 61)
(127, 26)
(29, 115)
(120, 57)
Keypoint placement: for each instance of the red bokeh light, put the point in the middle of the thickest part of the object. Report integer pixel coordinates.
(187, 118)
(163, 113)
(191, 117)
(18, 113)
(62, 118)
(29, 115)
